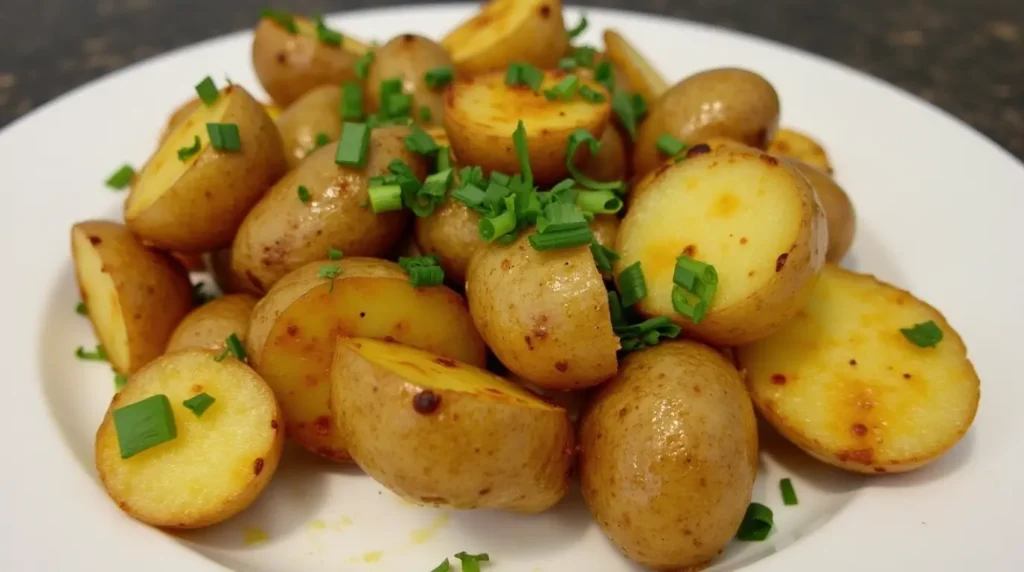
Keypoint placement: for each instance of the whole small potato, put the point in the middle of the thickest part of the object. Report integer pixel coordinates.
(209, 325)
(312, 116)
(842, 220)
(668, 455)
(409, 57)
(723, 102)
(229, 281)
(452, 232)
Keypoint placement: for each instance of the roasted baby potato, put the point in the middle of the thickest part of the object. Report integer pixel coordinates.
(440, 432)
(229, 281)
(196, 204)
(795, 145)
(711, 207)
(210, 324)
(544, 314)
(611, 163)
(289, 64)
(643, 77)
(843, 383)
(506, 31)
(217, 464)
(282, 233)
(452, 232)
(668, 455)
(724, 102)
(842, 220)
(482, 113)
(134, 295)
(312, 120)
(182, 112)
(294, 328)
(409, 57)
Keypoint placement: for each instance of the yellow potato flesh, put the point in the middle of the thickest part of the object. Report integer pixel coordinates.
(488, 28)
(103, 307)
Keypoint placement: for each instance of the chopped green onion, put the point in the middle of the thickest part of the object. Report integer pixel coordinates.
(788, 492)
(351, 101)
(119, 381)
(618, 313)
(561, 239)
(639, 106)
(385, 198)
(599, 202)
(584, 56)
(524, 74)
(632, 286)
(224, 136)
(121, 177)
(419, 141)
(303, 194)
(439, 77)
(559, 217)
(757, 523)
(389, 87)
(471, 562)
(397, 105)
(565, 89)
(186, 153)
(669, 145)
(688, 304)
(578, 138)
(233, 345)
(561, 188)
(694, 286)
(425, 276)
(689, 273)
(329, 272)
(579, 28)
(470, 195)
(99, 355)
(320, 140)
(207, 91)
(198, 404)
(923, 335)
(334, 254)
(500, 178)
(144, 425)
(325, 34)
(284, 19)
(362, 65)
(567, 64)
(622, 105)
(604, 74)
(603, 257)
(424, 199)
(353, 146)
(494, 227)
(409, 262)
(494, 194)
(443, 567)
(591, 95)
(81, 309)
(444, 159)
(523, 153)
(425, 114)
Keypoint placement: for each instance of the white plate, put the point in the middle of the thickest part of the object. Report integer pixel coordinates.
(938, 208)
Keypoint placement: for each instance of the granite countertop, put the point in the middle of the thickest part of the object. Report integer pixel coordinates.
(965, 56)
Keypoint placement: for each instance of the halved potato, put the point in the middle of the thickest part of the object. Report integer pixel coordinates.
(544, 314)
(643, 78)
(482, 113)
(792, 144)
(183, 111)
(712, 207)
(314, 115)
(289, 65)
(506, 31)
(839, 212)
(218, 463)
(294, 328)
(210, 324)
(135, 295)
(844, 384)
(439, 432)
(197, 204)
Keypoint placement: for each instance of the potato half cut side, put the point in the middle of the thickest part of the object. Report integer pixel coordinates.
(793, 144)
(506, 31)
(643, 77)
(482, 113)
(183, 111)
(441, 432)
(843, 383)
(294, 328)
(135, 296)
(210, 324)
(217, 464)
(712, 208)
(195, 203)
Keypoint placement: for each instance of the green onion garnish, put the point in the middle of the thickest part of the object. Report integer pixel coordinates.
(632, 286)
(233, 345)
(186, 153)
(565, 89)
(639, 106)
(284, 19)
(604, 74)
(579, 137)
(439, 77)
(407, 262)
(558, 217)
(425, 114)
(198, 404)
(329, 272)
(303, 194)
(224, 136)
(98, 355)
(591, 95)
(423, 199)
(121, 177)
(470, 195)
(622, 105)
(443, 567)
(584, 56)
(334, 254)
(320, 140)
(599, 202)
(385, 198)
(119, 381)
(669, 145)
(351, 101)
(419, 141)
(325, 34)
(524, 74)
(523, 153)
(694, 286)
(397, 105)
(923, 335)
(689, 272)
(618, 313)
(144, 425)
(82, 309)
(207, 91)
(389, 87)
(579, 28)
(788, 492)
(561, 239)
(644, 334)
(471, 562)
(500, 178)
(353, 146)
(494, 227)
(425, 276)
(603, 257)
(567, 64)
(757, 523)
(444, 159)
(362, 65)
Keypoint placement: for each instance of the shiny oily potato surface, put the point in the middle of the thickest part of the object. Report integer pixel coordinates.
(506, 31)
(793, 144)
(312, 115)
(845, 385)
(209, 325)
(409, 57)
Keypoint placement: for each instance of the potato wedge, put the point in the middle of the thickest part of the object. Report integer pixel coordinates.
(313, 116)
(182, 112)
(197, 204)
(839, 212)
(210, 324)
(409, 57)
(643, 77)
(506, 31)
(845, 385)
(482, 113)
(289, 65)
(134, 295)
(544, 314)
(439, 432)
(282, 233)
(293, 330)
(712, 208)
(218, 463)
(792, 144)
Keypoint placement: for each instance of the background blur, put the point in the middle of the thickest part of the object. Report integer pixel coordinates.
(966, 56)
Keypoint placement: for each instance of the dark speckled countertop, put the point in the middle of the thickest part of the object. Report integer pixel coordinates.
(966, 56)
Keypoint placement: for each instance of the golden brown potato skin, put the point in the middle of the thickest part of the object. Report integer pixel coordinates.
(452, 232)
(724, 102)
(314, 113)
(611, 162)
(210, 324)
(668, 455)
(409, 57)
(281, 233)
(289, 65)
(842, 219)
(544, 314)
(153, 290)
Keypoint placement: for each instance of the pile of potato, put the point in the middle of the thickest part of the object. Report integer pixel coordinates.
(354, 363)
